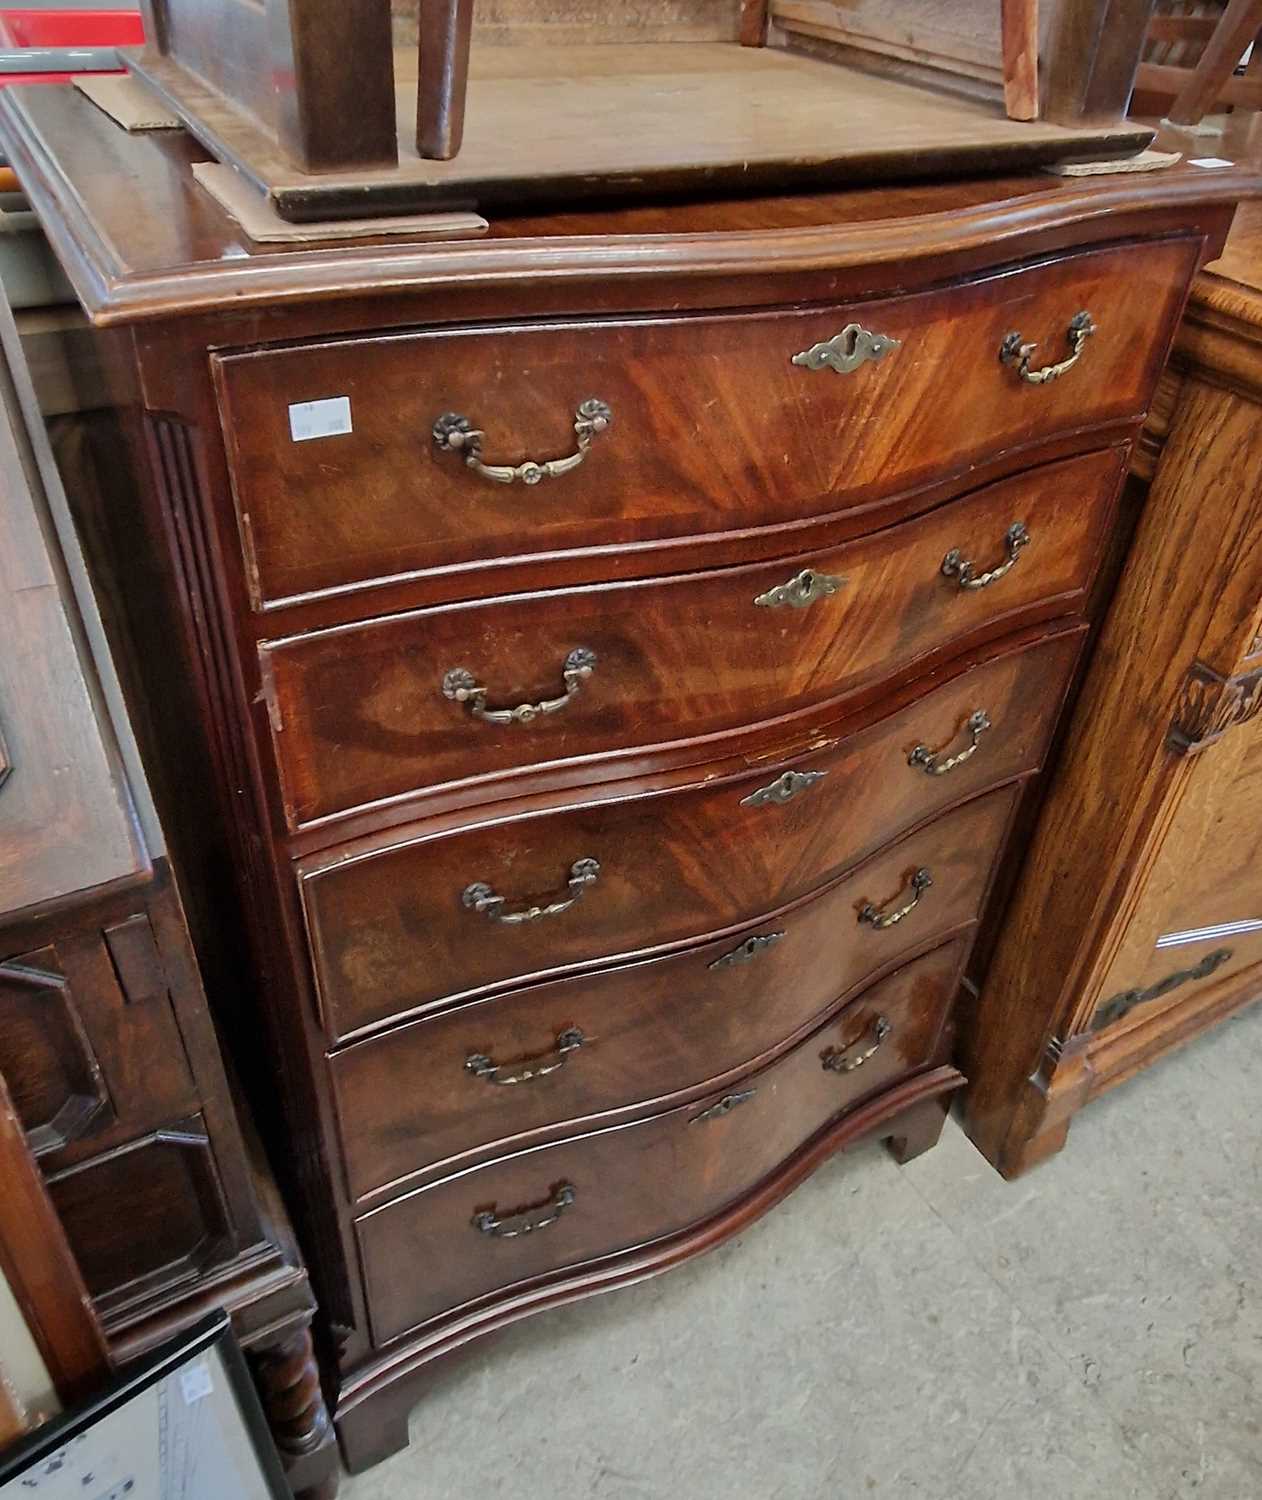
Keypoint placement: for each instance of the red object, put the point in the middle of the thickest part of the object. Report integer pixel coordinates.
(68, 28)
(8, 79)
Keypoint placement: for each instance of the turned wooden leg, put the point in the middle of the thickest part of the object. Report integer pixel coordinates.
(916, 1129)
(288, 1381)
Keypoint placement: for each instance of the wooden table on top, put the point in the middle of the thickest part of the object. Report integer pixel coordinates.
(560, 124)
(1138, 921)
(772, 752)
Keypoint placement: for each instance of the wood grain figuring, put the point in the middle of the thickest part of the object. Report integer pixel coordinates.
(360, 714)
(668, 1026)
(389, 935)
(551, 123)
(1021, 58)
(698, 693)
(1120, 1053)
(1205, 874)
(645, 1181)
(1190, 592)
(756, 441)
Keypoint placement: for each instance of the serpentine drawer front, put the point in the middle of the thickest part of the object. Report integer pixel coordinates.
(666, 427)
(509, 1067)
(399, 927)
(612, 1188)
(623, 648)
(368, 712)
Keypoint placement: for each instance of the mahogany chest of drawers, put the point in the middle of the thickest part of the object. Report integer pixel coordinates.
(625, 646)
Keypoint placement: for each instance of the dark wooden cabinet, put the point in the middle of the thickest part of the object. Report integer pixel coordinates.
(614, 793)
(106, 1041)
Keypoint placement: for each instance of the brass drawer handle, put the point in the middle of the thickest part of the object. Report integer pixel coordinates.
(481, 898)
(846, 351)
(802, 589)
(461, 686)
(1013, 352)
(920, 883)
(749, 949)
(456, 434)
(955, 566)
(783, 789)
(846, 1060)
(725, 1106)
(524, 1221)
(930, 761)
(502, 1074)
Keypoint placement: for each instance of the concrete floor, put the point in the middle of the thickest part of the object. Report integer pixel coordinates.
(1094, 1330)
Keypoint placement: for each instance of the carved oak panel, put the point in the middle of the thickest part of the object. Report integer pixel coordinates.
(46, 1055)
(146, 1216)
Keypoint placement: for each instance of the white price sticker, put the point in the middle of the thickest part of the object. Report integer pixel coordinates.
(320, 419)
(195, 1383)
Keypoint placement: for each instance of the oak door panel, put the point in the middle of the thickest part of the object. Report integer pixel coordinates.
(390, 932)
(1199, 919)
(364, 713)
(637, 1183)
(714, 427)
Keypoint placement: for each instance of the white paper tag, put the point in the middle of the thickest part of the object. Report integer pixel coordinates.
(195, 1383)
(1209, 161)
(320, 419)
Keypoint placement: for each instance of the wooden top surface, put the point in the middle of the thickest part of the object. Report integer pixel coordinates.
(564, 123)
(140, 239)
(1222, 327)
(1241, 260)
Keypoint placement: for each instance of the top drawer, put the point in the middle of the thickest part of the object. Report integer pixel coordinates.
(714, 426)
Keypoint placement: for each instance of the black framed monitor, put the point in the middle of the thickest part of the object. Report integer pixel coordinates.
(183, 1424)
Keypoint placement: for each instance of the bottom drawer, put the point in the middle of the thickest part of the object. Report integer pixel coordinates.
(559, 1206)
